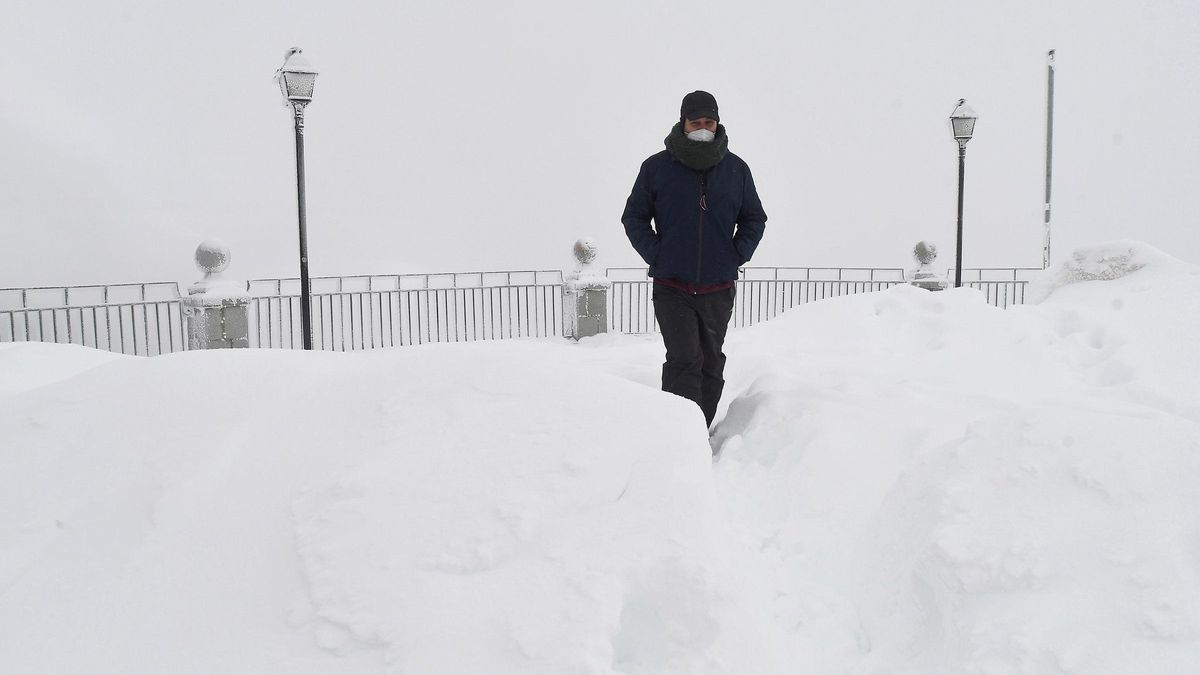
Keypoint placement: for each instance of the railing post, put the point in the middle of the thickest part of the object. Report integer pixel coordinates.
(217, 310)
(585, 295)
(924, 276)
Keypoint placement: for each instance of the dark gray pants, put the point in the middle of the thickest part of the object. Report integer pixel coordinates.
(693, 331)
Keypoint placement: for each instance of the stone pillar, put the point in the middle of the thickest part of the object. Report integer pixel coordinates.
(585, 295)
(217, 309)
(925, 276)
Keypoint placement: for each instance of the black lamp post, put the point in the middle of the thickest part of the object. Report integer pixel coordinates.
(962, 124)
(296, 78)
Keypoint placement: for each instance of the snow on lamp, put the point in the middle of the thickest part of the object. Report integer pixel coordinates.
(296, 77)
(962, 122)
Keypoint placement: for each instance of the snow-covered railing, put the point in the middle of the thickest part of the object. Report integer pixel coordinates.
(766, 292)
(1003, 286)
(143, 319)
(629, 306)
(388, 310)
(762, 292)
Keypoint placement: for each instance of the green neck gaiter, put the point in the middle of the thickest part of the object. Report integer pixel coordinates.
(697, 155)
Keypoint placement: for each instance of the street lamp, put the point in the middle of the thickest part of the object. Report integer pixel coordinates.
(296, 78)
(962, 125)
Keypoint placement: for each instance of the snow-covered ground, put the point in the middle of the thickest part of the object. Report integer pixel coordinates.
(908, 483)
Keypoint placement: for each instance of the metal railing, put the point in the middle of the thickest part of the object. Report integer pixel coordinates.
(137, 319)
(762, 292)
(629, 301)
(766, 292)
(371, 311)
(1003, 286)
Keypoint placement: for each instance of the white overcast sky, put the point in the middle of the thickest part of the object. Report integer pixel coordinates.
(454, 136)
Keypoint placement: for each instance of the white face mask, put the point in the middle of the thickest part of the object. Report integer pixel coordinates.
(702, 135)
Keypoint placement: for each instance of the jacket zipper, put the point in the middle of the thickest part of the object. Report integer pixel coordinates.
(700, 226)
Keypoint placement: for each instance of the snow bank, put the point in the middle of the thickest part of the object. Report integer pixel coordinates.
(1102, 262)
(909, 483)
(28, 365)
(441, 509)
(931, 485)
(1143, 303)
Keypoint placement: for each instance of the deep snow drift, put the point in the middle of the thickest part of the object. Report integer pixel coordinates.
(908, 482)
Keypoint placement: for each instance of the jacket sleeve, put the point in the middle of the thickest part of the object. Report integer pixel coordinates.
(639, 209)
(751, 221)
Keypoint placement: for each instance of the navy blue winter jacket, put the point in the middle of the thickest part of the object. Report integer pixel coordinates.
(690, 242)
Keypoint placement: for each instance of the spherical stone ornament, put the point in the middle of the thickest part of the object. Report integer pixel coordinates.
(925, 252)
(212, 256)
(586, 250)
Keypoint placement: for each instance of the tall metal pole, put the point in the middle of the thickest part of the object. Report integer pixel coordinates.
(305, 304)
(1049, 155)
(962, 158)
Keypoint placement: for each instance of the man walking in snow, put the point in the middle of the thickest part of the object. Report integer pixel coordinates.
(707, 222)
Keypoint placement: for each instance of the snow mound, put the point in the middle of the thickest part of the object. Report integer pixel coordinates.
(449, 509)
(1101, 262)
(908, 483)
(25, 366)
(928, 484)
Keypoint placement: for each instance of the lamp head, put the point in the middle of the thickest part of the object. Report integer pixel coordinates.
(962, 122)
(296, 77)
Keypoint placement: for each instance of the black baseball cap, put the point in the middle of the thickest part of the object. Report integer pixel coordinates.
(699, 104)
